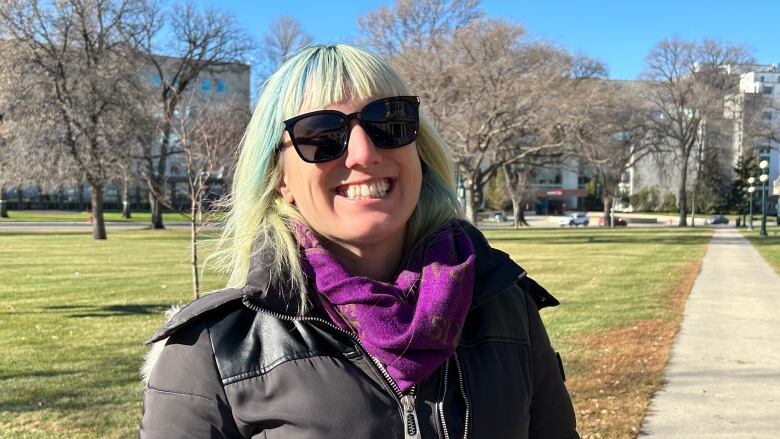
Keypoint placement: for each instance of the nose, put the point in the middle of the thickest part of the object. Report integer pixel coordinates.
(361, 151)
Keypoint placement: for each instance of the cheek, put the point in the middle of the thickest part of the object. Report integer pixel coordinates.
(303, 183)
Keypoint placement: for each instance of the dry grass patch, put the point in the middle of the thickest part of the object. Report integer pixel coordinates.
(623, 367)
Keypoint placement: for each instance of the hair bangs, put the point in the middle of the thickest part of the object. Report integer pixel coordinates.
(332, 74)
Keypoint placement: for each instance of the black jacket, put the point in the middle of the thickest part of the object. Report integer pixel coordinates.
(239, 363)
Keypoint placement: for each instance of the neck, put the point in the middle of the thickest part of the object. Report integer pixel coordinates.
(377, 261)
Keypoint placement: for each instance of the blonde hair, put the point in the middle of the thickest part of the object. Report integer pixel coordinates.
(258, 219)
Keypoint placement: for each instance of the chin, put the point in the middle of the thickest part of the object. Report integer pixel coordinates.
(368, 233)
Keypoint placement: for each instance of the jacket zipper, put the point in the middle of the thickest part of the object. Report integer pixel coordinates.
(463, 393)
(406, 401)
(461, 380)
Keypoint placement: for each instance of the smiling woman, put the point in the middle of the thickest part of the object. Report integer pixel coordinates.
(359, 303)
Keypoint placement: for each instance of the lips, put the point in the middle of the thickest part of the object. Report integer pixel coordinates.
(373, 189)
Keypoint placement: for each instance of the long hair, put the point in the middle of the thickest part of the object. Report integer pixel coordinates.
(258, 219)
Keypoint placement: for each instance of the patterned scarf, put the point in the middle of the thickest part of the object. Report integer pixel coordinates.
(413, 324)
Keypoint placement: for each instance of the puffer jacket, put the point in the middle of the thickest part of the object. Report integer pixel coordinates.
(240, 363)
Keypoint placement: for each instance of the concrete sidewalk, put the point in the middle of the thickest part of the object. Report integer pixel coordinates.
(723, 378)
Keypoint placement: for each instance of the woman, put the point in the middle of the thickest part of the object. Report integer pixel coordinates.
(360, 305)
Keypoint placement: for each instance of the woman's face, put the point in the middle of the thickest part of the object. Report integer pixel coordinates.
(363, 197)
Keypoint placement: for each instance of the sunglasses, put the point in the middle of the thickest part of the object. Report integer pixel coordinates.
(321, 136)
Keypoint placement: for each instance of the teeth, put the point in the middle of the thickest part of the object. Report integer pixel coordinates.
(375, 189)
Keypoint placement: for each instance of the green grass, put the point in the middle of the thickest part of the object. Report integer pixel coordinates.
(769, 247)
(75, 216)
(73, 311)
(603, 278)
(73, 314)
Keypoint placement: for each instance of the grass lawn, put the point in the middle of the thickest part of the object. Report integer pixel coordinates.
(621, 294)
(75, 216)
(768, 247)
(74, 311)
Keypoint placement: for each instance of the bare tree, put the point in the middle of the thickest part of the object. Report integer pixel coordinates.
(200, 41)
(208, 139)
(283, 37)
(688, 84)
(5, 165)
(481, 83)
(416, 25)
(612, 134)
(518, 180)
(74, 59)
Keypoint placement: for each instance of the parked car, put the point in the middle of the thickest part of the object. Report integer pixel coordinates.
(575, 219)
(499, 217)
(617, 222)
(716, 219)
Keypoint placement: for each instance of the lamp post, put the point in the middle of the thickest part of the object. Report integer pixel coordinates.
(750, 190)
(764, 177)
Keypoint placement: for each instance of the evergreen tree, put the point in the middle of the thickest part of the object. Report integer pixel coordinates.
(746, 167)
(714, 185)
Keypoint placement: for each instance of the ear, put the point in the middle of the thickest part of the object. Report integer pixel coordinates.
(285, 190)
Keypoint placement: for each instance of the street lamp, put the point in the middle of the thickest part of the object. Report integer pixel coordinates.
(764, 177)
(750, 190)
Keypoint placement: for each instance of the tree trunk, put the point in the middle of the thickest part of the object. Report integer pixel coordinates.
(61, 198)
(693, 204)
(607, 211)
(125, 200)
(682, 197)
(157, 180)
(521, 215)
(19, 198)
(81, 197)
(156, 207)
(515, 212)
(471, 211)
(194, 245)
(3, 203)
(98, 222)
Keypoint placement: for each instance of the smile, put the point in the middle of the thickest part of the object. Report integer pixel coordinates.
(375, 189)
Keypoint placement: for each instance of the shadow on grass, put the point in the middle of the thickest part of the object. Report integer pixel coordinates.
(33, 374)
(79, 311)
(101, 384)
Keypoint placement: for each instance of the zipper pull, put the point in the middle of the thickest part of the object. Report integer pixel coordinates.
(412, 426)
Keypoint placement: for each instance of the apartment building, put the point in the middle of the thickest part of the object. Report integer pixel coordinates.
(755, 115)
(225, 84)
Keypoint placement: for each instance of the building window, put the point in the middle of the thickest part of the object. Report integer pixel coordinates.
(205, 85)
(221, 86)
(761, 78)
(767, 115)
(766, 90)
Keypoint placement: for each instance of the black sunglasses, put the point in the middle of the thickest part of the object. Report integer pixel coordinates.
(323, 135)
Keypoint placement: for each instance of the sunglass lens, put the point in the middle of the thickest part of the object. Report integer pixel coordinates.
(391, 123)
(320, 137)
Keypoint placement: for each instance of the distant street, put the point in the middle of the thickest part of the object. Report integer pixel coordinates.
(534, 221)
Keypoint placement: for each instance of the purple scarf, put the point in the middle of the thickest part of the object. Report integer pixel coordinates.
(413, 324)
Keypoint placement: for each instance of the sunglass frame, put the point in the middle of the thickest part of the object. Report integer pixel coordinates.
(289, 125)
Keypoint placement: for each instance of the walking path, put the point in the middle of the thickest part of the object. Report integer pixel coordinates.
(723, 378)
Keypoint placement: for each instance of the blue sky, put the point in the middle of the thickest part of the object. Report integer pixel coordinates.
(619, 33)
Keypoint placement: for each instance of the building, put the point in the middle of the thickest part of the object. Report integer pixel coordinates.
(755, 114)
(227, 84)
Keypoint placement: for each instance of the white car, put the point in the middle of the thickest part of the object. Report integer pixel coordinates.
(575, 219)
